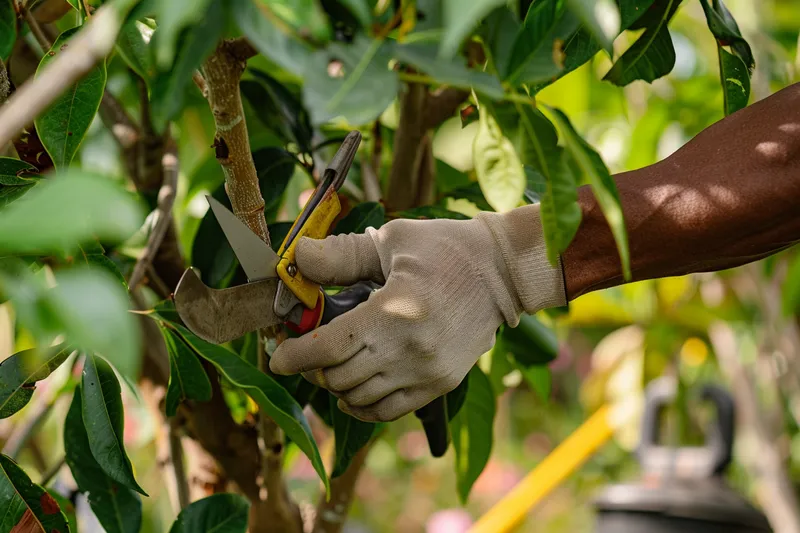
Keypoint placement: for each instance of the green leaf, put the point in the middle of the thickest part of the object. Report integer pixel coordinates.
(361, 217)
(531, 342)
(652, 55)
(472, 431)
(273, 399)
(14, 172)
(294, 117)
(67, 508)
(735, 81)
(600, 17)
(427, 212)
(724, 27)
(499, 32)
(350, 435)
(118, 508)
(559, 211)
(135, 50)
(64, 124)
(361, 9)
(220, 513)
(19, 374)
(8, 28)
(24, 505)
(103, 418)
(305, 17)
(104, 262)
(459, 19)
(454, 400)
(172, 18)
(72, 207)
(423, 57)
(187, 378)
(473, 193)
(535, 185)
(539, 378)
(195, 45)
(605, 190)
(791, 289)
(270, 41)
(274, 167)
(361, 94)
(538, 51)
(497, 165)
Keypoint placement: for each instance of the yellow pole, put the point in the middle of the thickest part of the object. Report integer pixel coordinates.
(568, 456)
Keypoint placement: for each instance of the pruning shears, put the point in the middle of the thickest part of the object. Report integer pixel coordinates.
(277, 292)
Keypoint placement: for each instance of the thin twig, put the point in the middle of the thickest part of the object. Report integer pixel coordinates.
(55, 469)
(163, 216)
(41, 38)
(176, 456)
(90, 46)
(200, 81)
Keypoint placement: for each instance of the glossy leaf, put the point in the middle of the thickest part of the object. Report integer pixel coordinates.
(497, 165)
(99, 259)
(361, 217)
(8, 28)
(600, 17)
(448, 71)
(73, 207)
(724, 27)
(273, 399)
(294, 117)
(265, 36)
(459, 19)
(19, 374)
(195, 45)
(538, 52)
(735, 81)
(350, 435)
(67, 508)
(103, 417)
(560, 212)
(535, 185)
(220, 513)
(16, 178)
(599, 178)
(133, 47)
(531, 342)
(64, 124)
(652, 55)
(187, 377)
(471, 430)
(24, 505)
(359, 95)
(117, 508)
(427, 212)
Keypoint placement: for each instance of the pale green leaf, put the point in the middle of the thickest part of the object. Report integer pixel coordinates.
(64, 124)
(25, 507)
(735, 81)
(472, 431)
(103, 418)
(219, 513)
(497, 165)
(117, 508)
(305, 17)
(133, 45)
(539, 378)
(459, 20)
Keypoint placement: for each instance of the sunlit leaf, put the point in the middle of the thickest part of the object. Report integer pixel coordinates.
(472, 431)
(424, 58)
(459, 19)
(220, 513)
(103, 418)
(538, 52)
(25, 507)
(19, 374)
(352, 81)
(8, 28)
(535, 185)
(64, 124)
(265, 36)
(735, 81)
(361, 217)
(599, 178)
(118, 508)
(600, 17)
(305, 17)
(133, 46)
(497, 165)
(72, 207)
(350, 436)
(273, 399)
(187, 378)
(652, 55)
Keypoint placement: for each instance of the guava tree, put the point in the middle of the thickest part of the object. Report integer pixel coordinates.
(118, 116)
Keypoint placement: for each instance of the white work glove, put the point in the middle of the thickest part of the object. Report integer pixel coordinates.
(448, 285)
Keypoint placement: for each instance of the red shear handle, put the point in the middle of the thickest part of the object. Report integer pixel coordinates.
(329, 307)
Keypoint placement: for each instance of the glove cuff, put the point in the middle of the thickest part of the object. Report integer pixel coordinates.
(535, 282)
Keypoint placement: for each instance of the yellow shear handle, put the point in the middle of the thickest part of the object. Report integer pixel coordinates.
(316, 227)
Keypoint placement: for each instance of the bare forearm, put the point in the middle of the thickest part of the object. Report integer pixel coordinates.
(729, 197)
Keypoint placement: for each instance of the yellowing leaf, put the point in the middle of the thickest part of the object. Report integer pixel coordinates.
(499, 170)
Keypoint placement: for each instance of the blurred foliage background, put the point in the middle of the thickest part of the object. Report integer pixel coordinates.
(610, 343)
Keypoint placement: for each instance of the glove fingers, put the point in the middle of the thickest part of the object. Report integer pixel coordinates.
(390, 408)
(352, 373)
(340, 259)
(369, 392)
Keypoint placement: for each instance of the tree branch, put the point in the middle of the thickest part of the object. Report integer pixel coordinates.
(442, 105)
(410, 131)
(331, 515)
(176, 457)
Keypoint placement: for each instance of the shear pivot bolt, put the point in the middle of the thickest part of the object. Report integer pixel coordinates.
(292, 270)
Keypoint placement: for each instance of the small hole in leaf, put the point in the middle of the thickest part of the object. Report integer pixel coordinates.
(335, 68)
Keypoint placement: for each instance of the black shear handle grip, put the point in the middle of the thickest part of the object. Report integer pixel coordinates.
(433, 415)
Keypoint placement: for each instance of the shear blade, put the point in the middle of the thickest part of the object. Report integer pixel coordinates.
(221, 315)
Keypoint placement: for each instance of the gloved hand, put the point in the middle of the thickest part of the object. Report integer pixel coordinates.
(448, 285)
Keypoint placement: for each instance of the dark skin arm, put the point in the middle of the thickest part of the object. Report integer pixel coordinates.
(730, 196)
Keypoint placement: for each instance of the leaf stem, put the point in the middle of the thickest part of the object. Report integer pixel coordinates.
(55, 469)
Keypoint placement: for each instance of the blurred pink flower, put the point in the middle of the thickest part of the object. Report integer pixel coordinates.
(412, 445)
(449, 521)
(496, 480)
